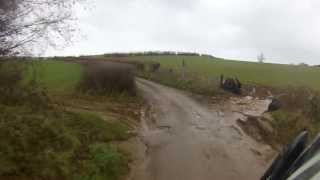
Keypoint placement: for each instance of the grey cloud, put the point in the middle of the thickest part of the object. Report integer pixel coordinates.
(287, 31)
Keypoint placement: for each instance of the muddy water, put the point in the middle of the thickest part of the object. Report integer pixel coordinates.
(185, 140)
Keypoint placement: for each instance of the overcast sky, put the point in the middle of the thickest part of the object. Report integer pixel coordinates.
(286, 31)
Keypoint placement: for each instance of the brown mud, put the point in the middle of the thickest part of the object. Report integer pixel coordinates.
(182, 139)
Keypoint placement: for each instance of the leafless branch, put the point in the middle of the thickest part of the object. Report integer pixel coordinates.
(24, 23)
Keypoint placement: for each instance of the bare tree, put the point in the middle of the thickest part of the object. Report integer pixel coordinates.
(261, 58)
(26, 24)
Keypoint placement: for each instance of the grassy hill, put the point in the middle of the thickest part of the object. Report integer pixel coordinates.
(276, 75)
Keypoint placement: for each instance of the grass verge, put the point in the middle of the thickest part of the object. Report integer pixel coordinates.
(300, 111)
(56, 144)
(41, 137)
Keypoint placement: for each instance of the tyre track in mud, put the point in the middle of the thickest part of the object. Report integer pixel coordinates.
(186, 140)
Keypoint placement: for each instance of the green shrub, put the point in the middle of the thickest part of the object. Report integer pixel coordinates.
(105, 163)
(34, 144)
(15, 90)
(90, 128)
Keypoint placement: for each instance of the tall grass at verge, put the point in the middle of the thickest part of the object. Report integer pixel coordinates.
(300, 111)
(184, 80)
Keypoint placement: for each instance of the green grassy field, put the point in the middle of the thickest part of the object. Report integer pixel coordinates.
(56, 76)
(275, 75)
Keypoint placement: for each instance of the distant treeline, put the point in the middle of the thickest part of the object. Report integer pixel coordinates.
(156, 53)
(131, 54)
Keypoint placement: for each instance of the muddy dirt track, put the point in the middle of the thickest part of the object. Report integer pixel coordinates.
(187, 140)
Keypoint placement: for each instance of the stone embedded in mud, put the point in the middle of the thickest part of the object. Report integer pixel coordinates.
(220, 114)
(248, 98)
(274, 105)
